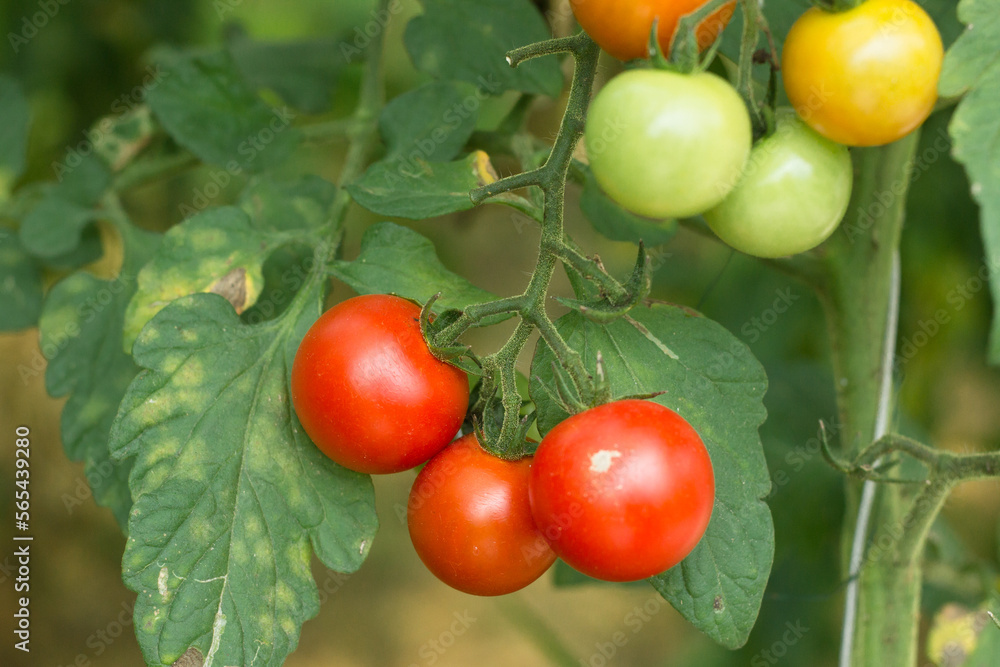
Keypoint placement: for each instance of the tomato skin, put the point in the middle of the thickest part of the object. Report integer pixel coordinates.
(864, 77)
(622, 27)
(793, 193)
(663, 144)
(369, 392)
(623, 491)
(470, 521)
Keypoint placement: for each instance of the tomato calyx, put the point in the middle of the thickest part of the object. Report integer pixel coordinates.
(685, 56)
(837, 5)
(459, 355)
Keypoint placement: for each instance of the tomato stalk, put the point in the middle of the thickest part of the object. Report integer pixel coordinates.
(499, 375)
(886, 525)
(858, 301)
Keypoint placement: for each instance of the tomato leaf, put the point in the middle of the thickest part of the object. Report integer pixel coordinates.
(428, 124)
(81, 335)
(230, 496)
(20, 284)
(972, 68)
(617, 224)
(193, 93)
(303, 74)
(469, 41)
(14, 122)
(713, 381)
(55, 225)
(221, 250)
(398, 260)
(118, 139)
(427, 189)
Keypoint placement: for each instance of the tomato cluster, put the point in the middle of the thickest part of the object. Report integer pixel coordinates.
(663, 144)
(625, 490)
(621, 492)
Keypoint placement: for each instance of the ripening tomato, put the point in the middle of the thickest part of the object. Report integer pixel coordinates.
(369, 392)
(471, 524)
(622, 27)
(866, 76)
(793, 193)
(623, 491)
(664, 145)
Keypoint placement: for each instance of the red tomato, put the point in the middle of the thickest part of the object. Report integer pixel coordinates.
(623, 491)
(471, 524)
(622, 27)
(369, 392)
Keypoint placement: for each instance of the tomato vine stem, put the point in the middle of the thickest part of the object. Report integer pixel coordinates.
(499, 368)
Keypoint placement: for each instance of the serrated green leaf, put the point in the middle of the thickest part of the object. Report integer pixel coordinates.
(972, 67)
(469, 41)
(713, 381)
(428, 124)
(20, 285)
(55, 226)
(229, 493)
(300, 204)
(424, 190)
(14, 120)
(200, 92)
(617, 224)
(81, 336)
(118, 139)
(304, 74)
(219, 250)
(398, 260)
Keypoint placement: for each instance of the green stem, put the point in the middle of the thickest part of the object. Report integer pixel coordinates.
(151, 169)
(530, 305)
(592, 270)
(880, 625)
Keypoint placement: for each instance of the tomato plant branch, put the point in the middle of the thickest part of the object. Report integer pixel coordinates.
(499, 368)
(151, 169)
(883, 599)
(592, 270)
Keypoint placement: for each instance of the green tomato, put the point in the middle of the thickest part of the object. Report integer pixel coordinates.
(664, 145)
(793, 193)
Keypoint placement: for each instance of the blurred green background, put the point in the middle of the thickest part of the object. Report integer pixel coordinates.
(393, 612)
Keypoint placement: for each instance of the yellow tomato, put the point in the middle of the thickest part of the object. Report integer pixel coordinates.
(866, 76)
